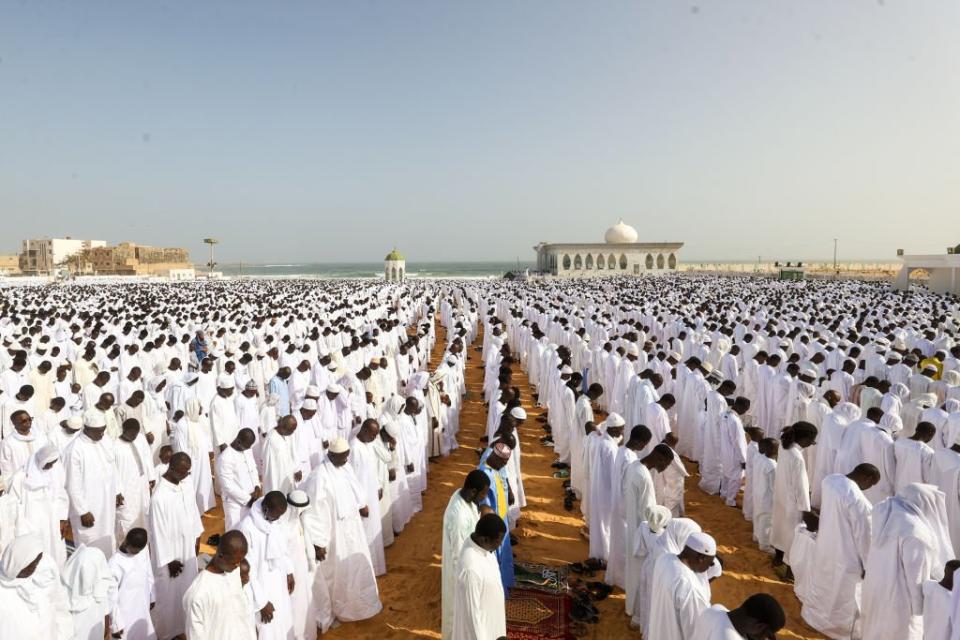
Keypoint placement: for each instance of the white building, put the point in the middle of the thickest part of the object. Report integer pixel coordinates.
(394, 267)
(41, 256)
(943, 271)
(619, 254)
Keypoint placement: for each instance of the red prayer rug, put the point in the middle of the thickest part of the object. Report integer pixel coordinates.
(538, 615)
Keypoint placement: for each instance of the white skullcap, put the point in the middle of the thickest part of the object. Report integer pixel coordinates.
(94, 419)
(633, 349)
(250, 386)
(334, 388)
(309, 404)
(565, 371)
(225, 381)
(810, 371)
(451, 360)
(896, 357)
(298, 498)
(339, 445)
(615, 420)
(75, 422)
(313, 391)
(518, 413)
(702, 543)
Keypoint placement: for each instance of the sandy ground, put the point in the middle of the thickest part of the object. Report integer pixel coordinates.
(548, 534)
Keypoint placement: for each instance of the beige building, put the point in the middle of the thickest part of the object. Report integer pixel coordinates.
(44, 255)
(620, 254)
(9, 265)
(132, 259)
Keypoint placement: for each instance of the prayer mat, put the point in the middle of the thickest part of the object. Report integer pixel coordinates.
(538, 615)
(530, 575)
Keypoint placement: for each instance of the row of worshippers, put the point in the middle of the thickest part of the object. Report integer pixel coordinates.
(310, 562)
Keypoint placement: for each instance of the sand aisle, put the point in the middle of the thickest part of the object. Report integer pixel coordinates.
(548, 534)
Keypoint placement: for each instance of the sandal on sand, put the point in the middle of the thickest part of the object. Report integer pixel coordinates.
(595, 564)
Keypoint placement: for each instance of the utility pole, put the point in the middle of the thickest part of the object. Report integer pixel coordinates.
(211, 242)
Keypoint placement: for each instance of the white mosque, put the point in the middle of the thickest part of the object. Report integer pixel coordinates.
(394, 267)
(619, 254)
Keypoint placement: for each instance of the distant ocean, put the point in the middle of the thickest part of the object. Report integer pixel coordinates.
(373, 269)
(468, 270)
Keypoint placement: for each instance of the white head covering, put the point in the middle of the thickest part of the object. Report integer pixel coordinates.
(918, 511)
(35, 476)
(702, 543)
(226, 381)
(17, 556)
(677, 532)
(657, 517)
(94, 418)
(87, 578)
(339, 445)
(309, 404)
(518, 413)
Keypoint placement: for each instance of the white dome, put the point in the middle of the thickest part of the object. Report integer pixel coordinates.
(620, 233)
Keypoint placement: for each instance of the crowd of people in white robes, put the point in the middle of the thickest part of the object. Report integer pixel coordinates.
(829, 411)
(834, 407)
(309, 408)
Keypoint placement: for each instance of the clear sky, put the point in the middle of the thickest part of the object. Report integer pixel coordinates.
(331, 131)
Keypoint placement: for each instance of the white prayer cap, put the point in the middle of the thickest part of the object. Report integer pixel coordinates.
(882, 342)
(192, 377)
(615, 420)
(810, 371)
(566, 371)
(313, 391)
(94, 419)
(298, 498)
(309, 404)
(895, 357)
(502, 450)
(332, 366)
(339, 445)
(451, 360)
(261, 352)
(334, 388)
(225, 381)
(675, 355)
(706, 366)
(250, 386)
(75, 423)
(702, 543)
(586, 337)
(929, 367)
(633, 349)
(518, 413)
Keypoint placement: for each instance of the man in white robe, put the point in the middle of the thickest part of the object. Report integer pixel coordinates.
(639, 499)
(733, 450)
(679, 594)
(307, 611)
(842, 546)
(133, 574)
(479, 609)
(909, 545)
(334, 523)
(92, 485)
(914, 457)
(366, 463)
(41, 502)
(224, 422)
(174, 530)
(760, 616)
(135, 472)
(459, 522)
(271, 569)
(602, 458)
(91, 592)
(215, 605)
(238, 479)
(281, 460)
(583, 413)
